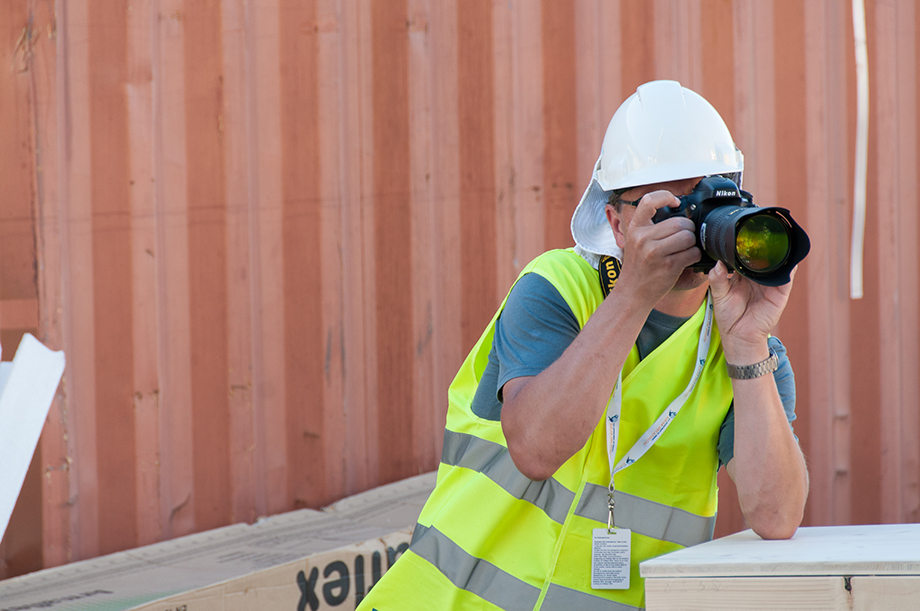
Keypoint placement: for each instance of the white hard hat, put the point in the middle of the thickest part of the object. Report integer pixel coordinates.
(663, 132)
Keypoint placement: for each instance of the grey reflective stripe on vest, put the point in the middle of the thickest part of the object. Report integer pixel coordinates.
(472, 574)
(559, 597)
(642, 516)
(646, 517)
(487, 581)
(493, 460)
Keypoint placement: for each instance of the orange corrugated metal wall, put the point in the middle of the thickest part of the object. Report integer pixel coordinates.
(267, 232)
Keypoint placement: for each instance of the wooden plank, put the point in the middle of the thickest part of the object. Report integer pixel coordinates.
(560, 150)
(306, 342)
(20, 162)
(112, 269)
(505, 169)
(884, 592)
(57, 446)
(590, 120)
(365, 202)
(446, 343)
(78, 282)
(144, 258)
(207, 273)
(177, 503)
(908, 325)
(351, 180)
(392, 235)
(717, 46)
(265, 135)
(476, 162)
(842, 429)
(638, 45)
(598, 55)
(425, 265)
(871, 491)
(746, 594)
(676, 32)
(334, 412)
(526, 82)
(886, 192)
(900, 338)
(237, 179)
(823, 593)
(790, 93)
(824, 390)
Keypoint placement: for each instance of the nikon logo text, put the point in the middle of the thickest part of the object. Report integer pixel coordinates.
(725, 193)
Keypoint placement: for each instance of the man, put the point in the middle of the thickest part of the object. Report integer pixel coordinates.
(574, 396)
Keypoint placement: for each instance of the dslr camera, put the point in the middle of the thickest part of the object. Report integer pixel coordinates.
(763, 244)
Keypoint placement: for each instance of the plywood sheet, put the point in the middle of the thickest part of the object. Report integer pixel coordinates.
(885, 549)
(332, 556)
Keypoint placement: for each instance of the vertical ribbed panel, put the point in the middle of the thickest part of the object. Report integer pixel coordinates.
(21, 548)
(267, 232)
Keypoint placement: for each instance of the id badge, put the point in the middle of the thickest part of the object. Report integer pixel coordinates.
(610, 559)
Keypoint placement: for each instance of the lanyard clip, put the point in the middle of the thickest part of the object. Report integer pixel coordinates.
(610, 504)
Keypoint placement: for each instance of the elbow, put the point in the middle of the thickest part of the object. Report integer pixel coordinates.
(531, 449)
(532, 459)
(778, 525)
(536, 474)
(529, 462)
(776, 531)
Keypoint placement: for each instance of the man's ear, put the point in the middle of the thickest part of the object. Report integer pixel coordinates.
(616, 224)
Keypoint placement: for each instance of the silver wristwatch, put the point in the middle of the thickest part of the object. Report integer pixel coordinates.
(749, 372)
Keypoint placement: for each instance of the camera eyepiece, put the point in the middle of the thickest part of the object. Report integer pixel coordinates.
(763, 244)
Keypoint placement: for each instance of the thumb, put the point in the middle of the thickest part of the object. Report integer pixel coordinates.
(718, 280)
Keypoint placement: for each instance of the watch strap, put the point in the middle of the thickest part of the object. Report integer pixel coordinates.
(749, 372)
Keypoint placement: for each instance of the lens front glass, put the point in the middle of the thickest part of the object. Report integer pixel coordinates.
(762, 243)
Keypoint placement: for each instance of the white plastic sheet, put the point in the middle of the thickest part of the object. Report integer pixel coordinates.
(27, 387)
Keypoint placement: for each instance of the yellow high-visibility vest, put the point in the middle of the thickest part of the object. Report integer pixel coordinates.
(489, 538)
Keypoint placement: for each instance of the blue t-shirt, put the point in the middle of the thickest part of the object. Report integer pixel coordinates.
(536, 327)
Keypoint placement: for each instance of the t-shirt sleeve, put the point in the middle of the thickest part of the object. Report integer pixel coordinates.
(534, 329)
(785, 384)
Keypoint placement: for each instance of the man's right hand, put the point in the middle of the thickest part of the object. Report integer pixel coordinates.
(655, 254)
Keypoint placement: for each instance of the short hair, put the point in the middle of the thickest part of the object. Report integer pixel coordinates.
(613, 198)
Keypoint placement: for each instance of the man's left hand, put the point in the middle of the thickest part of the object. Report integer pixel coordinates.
(745, 311)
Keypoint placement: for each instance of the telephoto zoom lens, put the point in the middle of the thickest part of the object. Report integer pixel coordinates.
(762, 244)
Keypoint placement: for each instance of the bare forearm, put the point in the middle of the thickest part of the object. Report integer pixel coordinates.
(548, 418)
(768, 467)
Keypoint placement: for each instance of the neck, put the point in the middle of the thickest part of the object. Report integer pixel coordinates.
(683, 303)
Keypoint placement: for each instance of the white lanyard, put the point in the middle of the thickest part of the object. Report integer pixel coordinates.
(654, 432)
